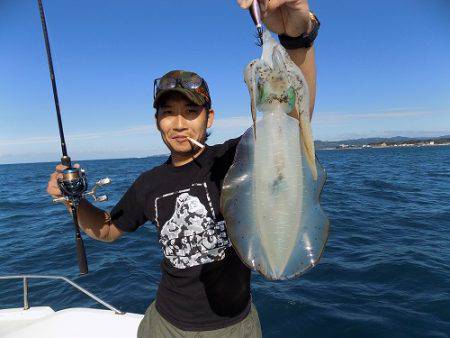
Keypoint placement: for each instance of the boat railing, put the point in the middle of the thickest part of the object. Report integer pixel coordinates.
(25, 279)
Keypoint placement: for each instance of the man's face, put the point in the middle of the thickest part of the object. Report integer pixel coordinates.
(178, 118)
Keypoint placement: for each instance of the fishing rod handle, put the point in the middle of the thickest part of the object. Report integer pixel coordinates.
(81, 257)
(81, 252)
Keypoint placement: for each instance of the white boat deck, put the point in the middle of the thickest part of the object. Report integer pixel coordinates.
(44, 322)
(69, 323)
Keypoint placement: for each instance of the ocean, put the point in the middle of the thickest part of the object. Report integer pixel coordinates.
(385, 271)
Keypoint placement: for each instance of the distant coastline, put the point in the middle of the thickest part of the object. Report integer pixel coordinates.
(350, 144)
(392, 142)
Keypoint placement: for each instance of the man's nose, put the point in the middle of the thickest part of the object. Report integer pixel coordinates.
(179, 122)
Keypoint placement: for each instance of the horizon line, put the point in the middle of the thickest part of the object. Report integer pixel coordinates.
(167, 154)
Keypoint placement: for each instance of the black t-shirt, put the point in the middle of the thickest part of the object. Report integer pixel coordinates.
(204, 284)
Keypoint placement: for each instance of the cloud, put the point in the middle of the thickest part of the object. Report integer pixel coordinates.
(124, 143)
(232, 122)
(136, 130)
(219, 124)
(335, 117)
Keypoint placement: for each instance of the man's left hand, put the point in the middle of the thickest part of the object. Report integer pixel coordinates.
(290, 17)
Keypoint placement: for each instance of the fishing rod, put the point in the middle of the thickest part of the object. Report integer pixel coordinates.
(74, 184)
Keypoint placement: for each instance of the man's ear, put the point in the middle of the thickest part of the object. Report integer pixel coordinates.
(210, 118)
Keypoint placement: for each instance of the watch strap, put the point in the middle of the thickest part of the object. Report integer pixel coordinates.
(303, 41)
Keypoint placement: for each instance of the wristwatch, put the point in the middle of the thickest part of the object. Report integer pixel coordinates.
(303, 41)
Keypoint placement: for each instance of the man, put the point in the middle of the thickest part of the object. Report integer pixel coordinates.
(205, 288)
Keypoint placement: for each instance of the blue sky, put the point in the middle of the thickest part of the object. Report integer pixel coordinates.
(383, 70)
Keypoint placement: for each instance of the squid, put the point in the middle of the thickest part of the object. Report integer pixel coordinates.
(270, 196)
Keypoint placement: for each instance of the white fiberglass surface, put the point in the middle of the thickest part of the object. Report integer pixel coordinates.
(73, 323)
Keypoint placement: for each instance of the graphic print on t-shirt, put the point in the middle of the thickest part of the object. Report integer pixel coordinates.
(190, 235)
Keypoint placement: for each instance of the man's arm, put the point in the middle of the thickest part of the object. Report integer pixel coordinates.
(96, 223)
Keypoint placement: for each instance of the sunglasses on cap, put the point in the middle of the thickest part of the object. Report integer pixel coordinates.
(186, 80)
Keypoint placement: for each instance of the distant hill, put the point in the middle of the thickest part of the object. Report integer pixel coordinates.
(359, 142)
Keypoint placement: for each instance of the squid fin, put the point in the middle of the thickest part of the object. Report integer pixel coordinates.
(306, 135)
(250, 78)
(302, 107)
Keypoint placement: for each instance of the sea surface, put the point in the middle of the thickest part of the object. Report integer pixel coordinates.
(385, 271)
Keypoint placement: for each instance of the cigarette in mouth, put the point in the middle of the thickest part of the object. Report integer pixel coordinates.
(198, 144)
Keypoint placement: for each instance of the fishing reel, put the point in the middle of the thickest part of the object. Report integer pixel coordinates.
(74, 184)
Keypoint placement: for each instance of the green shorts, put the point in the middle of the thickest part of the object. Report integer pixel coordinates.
(155, 326)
